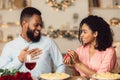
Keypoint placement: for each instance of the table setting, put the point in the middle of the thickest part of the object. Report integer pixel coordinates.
(106, 76)
(6, 74)
(30, 63)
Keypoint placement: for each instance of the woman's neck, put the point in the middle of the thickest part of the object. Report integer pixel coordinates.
(93, 44)
(92, 49)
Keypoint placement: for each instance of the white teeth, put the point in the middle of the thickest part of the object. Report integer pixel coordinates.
(37, 32)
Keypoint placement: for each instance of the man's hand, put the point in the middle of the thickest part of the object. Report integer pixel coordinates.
(23, 54)
(33, 52)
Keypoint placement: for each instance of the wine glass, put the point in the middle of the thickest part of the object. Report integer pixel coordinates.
(30, 63)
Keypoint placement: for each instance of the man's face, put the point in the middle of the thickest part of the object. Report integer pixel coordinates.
(34, 28)
(30, 35)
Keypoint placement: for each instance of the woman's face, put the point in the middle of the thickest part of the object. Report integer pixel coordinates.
(87, 35)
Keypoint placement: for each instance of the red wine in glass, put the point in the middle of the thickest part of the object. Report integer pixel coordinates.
(30, 65)
(29, 62)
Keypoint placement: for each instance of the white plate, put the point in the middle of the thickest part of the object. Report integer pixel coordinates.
(102, 78)
(54, 76)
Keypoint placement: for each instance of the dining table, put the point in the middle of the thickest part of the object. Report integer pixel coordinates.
(76, 78)
(73, 78)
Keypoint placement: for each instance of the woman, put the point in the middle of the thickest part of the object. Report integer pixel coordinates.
(96, 53)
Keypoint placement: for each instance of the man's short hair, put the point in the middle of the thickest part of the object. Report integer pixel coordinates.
(28, 12)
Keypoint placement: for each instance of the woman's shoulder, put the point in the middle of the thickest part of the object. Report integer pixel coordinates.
(110, 49)
(83, 46)
(80, 46)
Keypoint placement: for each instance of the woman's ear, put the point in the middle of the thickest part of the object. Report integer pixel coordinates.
(95, 34)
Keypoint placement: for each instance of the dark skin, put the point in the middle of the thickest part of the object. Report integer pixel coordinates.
(88, 37)
(35, 24)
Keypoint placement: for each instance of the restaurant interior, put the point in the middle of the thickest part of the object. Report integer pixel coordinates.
(63, 19)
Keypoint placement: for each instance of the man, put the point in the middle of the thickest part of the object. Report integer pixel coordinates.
(31, 42)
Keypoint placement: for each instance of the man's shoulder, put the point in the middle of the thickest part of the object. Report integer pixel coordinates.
(44, 38)
(13, 42)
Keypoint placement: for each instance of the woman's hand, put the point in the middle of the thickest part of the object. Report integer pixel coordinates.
(71, 58)
(67, 60)
(74, 56)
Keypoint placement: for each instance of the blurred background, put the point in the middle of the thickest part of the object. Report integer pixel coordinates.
(61, 19)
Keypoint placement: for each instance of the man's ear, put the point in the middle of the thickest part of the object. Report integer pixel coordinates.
(23, 23)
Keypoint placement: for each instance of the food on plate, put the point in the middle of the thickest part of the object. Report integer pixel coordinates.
(107, 75)
(54, 76)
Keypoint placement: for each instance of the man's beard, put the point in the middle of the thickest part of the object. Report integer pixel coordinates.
(30, 35)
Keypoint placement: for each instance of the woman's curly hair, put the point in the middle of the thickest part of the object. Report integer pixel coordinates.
(97, 24)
